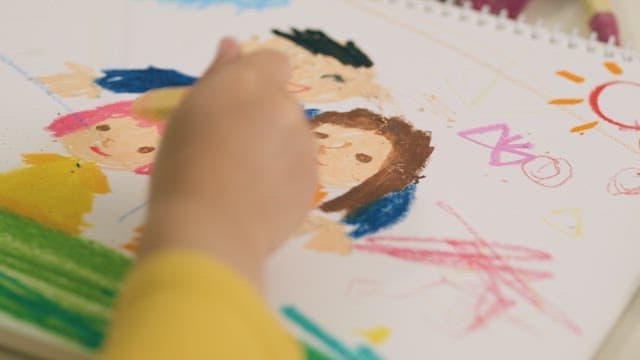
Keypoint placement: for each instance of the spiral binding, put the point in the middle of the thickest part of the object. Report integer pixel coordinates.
(537, 32)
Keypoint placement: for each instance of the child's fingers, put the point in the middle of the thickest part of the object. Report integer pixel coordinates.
(228, 49)
(270, 65)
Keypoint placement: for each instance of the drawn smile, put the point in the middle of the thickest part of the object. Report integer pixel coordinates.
(97, 150)
(343, 146)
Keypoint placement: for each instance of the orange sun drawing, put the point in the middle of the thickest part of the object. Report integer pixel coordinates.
(615, 102)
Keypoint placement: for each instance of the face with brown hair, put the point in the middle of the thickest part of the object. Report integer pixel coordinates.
(348, 156)
(368, 154)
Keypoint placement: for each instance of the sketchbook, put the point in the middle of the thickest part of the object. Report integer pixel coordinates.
(480, 177)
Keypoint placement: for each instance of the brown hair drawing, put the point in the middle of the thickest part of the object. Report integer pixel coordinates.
(409, 153)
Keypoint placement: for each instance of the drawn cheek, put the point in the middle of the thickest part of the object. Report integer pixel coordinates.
(296, 88)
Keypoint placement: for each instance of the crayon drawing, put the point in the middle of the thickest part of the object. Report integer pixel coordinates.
(608, 101)
(371, 165)
(407, 113)
(324, 70)
(53, 190)
(113, 136)
(58, 282)
(83, 81)
(625, 182)
(504, 286)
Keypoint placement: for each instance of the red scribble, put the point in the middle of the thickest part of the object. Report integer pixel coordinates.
(625, 182)
(594, 101)
(548, 171)
(505, 144)
(490, 261)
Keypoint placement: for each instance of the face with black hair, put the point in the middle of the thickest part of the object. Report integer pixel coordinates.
(322, 70)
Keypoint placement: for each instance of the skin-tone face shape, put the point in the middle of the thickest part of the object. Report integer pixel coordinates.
(320, 78)
(348, 156)
(115, 143)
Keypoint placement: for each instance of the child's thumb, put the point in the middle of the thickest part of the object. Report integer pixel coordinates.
(228, 49)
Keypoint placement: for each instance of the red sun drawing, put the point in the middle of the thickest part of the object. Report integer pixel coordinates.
(615, 102)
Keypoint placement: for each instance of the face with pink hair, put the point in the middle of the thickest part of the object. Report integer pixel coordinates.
(112, 135)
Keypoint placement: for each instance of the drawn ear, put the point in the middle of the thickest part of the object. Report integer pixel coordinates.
(42, 158)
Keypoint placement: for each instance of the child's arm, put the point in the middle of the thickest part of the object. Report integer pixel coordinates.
(235, 175)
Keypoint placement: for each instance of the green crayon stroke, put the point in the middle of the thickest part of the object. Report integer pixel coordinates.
(61, 283)
(314, 330)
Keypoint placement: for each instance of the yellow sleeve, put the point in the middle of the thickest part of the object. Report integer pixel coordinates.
(184, 305)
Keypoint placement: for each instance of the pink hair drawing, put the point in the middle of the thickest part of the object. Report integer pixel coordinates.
(70, 123)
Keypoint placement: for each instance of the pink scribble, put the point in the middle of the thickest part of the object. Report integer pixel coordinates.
(625, 182)
(505, 144)
(491, 261)
(548, 171)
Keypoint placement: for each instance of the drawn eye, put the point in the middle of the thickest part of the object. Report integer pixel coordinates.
(103, 127)
(320, 135)
(334, 77)
(363, 158)
(145, 149)
(78, 165)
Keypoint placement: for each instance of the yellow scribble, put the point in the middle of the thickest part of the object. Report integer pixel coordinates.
(159, 104)
(55, 190)
(78, 82)
(566, 221)
(377, 335)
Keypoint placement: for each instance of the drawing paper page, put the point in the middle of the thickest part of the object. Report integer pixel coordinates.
(503, 220)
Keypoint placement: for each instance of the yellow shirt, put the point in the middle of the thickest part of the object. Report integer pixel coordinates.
(184, 305)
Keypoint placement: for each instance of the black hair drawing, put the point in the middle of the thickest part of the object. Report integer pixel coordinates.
(318, 43)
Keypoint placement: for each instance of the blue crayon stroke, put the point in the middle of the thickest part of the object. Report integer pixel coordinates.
(138, 81)
(382, 213)
(240, 4)
(311, 113)
(362, 352)
(124, 216)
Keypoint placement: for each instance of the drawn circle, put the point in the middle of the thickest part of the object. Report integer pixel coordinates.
(611, 102)
(625, 182)
(548, 171)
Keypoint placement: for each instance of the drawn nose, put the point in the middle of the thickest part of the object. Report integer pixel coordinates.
(106, 142)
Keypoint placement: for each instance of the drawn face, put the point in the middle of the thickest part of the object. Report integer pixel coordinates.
(321, 78)
(115, 143)
(348, 156)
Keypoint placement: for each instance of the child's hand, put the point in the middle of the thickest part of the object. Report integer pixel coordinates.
(235, 174)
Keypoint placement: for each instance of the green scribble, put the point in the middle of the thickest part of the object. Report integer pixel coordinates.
(61, 283)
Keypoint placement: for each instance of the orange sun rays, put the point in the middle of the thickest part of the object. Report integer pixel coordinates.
(612, 67)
